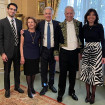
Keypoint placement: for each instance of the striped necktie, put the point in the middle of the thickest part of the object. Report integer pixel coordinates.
(14, 32)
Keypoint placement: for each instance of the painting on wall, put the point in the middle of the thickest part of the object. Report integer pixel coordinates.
(41, 6)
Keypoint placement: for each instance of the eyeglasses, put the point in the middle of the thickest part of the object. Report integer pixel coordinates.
(13, 9)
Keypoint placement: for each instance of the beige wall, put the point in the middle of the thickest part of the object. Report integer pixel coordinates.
(28, 8)
(19, 3)
(3, 6)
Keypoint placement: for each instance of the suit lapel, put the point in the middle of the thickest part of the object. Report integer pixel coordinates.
(8, 24)
(76, 25)
(16, 24)
(53, 25)
(42, 31)
(64, 31)
(42, 27)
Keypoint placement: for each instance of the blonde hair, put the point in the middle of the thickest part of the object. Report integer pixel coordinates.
(35, 21)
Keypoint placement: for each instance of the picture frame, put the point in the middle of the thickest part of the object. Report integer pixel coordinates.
(41, 6)
(49, 3)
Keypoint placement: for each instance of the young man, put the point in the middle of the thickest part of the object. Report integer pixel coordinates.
(9, 47)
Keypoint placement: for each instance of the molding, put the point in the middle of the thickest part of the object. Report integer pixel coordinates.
(3, 11)
(5, 2)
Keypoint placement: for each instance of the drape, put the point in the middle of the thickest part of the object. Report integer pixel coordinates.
(54, 5)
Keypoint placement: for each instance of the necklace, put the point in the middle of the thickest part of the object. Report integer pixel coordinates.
(90, 27)
(33, 37)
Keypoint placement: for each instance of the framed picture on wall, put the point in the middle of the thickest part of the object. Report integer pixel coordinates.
(41, 6)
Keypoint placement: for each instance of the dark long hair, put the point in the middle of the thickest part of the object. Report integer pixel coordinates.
(88, 13)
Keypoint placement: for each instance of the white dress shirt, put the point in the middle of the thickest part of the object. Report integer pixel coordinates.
(11, 22)
(72, 42)
(51, 33)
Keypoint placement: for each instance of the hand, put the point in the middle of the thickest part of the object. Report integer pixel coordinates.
(103, 60)
(22, 61)
(4, 57)
(22, 32)
(56, 58)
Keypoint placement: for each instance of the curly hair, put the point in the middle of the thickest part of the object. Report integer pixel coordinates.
(35, 21)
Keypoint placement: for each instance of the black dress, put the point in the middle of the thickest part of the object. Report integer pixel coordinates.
(31, 52)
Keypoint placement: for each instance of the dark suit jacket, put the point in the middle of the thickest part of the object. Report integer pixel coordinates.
(58, 38)
(6, 36)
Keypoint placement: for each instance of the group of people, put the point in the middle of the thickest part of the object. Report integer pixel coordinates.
(53, 41)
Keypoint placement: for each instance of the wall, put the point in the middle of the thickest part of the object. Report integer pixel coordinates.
(28, 8)
(36, 8)
(3, 6)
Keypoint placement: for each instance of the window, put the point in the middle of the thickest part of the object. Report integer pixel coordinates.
(81, 7)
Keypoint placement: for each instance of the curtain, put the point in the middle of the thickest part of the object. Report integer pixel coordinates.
(81, 7)
(54, 5)
(60, 13)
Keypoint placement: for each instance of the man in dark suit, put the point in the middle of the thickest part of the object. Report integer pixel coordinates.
(50, 39)
(9, 47)
(68, 57)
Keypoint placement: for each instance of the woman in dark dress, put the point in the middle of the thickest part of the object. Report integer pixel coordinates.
(93, 55)
(29, 49)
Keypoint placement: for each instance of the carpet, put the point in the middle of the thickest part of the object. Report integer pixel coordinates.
(23, 99)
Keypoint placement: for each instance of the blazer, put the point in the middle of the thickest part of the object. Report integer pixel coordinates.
(7, 38)
(78, 30)
(58, 38)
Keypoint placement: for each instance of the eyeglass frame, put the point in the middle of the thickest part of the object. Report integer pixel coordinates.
(13, 9)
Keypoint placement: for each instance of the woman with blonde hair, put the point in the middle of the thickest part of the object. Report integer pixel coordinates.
(29, 50)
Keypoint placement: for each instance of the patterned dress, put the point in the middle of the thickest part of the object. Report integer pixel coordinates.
(91, 70)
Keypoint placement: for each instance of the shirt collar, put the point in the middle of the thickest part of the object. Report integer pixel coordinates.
(49, 22)
(71, 22)
(9, 18)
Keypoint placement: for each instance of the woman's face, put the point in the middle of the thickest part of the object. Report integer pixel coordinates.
(31, 24)
(91, 17)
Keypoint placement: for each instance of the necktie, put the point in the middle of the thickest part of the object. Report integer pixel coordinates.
(48, 36)
(14, 32)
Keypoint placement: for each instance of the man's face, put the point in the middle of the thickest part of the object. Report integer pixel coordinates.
(11, 11)
(48, 15)
(69, 14)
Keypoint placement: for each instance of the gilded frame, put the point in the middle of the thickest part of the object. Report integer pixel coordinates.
(41, 6)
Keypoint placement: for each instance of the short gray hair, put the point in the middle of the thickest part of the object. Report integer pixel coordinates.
(50, 9)
(70, 7)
